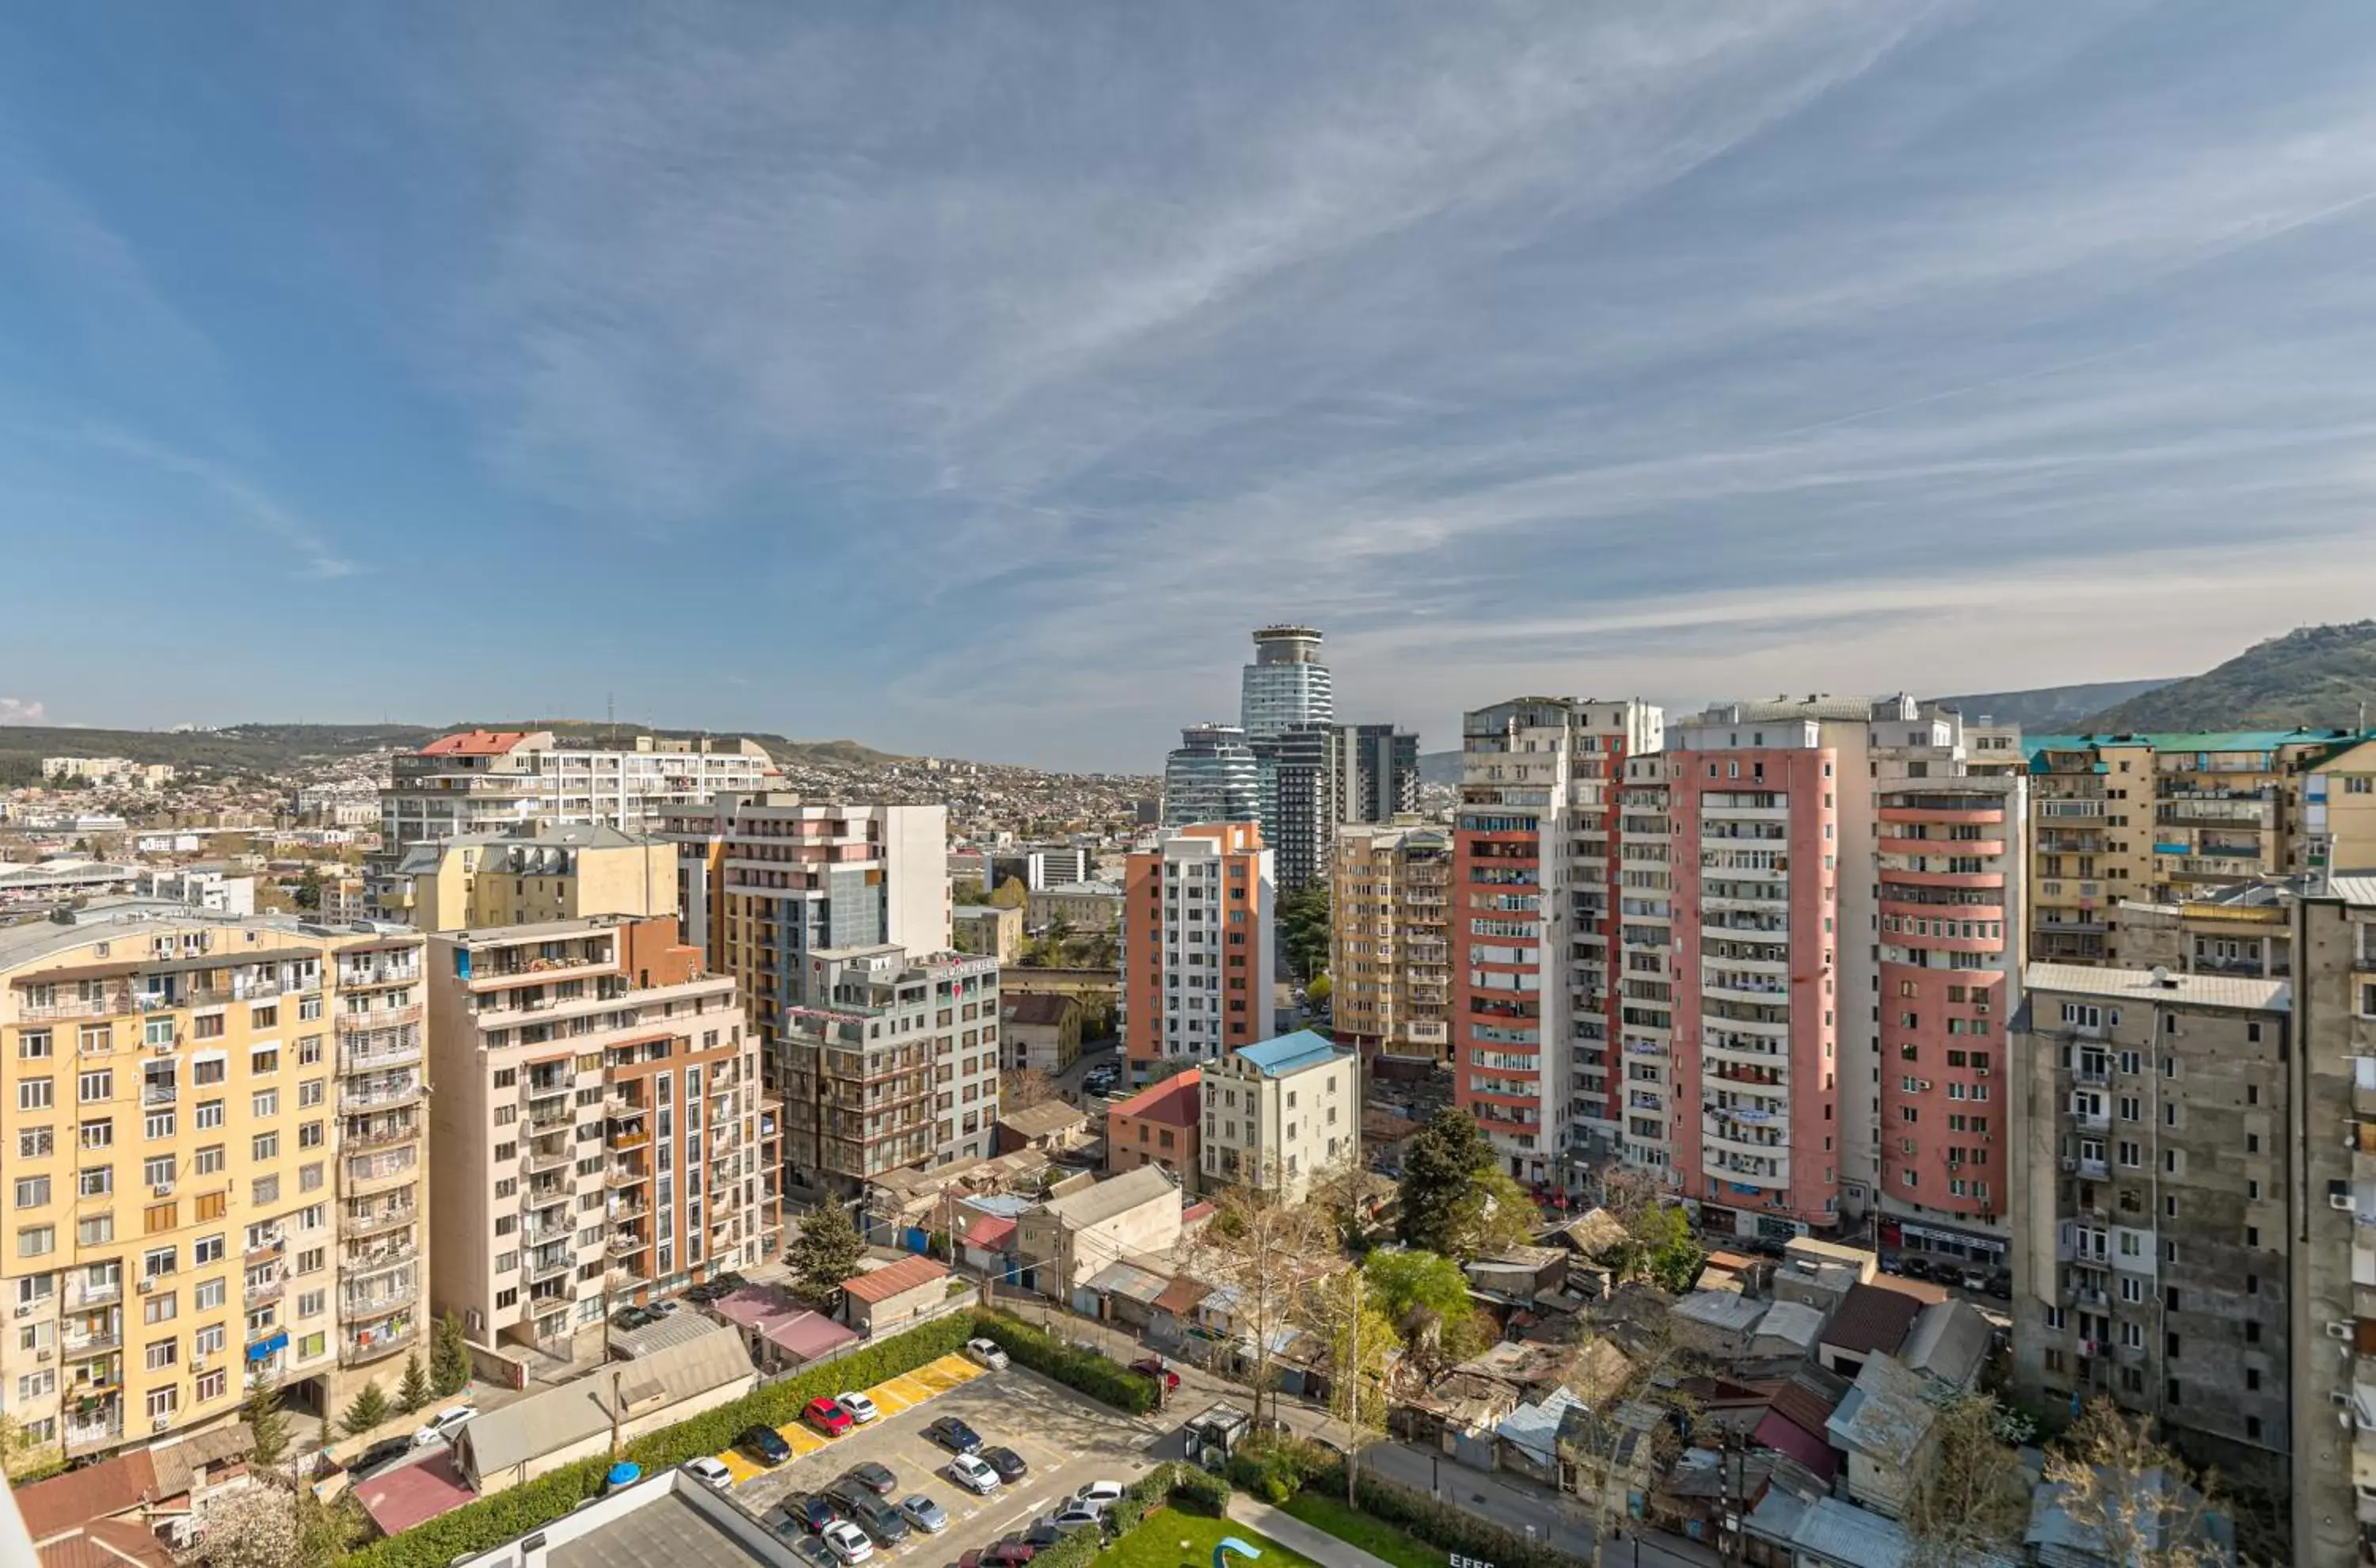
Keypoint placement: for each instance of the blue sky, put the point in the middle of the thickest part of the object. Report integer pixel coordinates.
(970, 377)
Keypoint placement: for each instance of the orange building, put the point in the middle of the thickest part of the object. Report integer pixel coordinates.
(1197, 961)
(1158, 1126)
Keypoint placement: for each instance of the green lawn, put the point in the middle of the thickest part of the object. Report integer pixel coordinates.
(1157, 1544)
(1377, 1539)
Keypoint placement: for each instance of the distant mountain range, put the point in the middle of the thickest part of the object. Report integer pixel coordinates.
(2051, 709)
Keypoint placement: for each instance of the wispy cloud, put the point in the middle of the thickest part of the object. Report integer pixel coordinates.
(22, 710)
(235, 499)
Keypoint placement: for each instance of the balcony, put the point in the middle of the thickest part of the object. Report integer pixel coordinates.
(350, 1023)
(358, 1095)
(550, 1121)
(556, 1087)
(544, 1161)
(2092, 1168)
(377, 1221)
(75, 1346)
(2089, 1120)
(372, 1342)
(382, 1137)
(82, 1432)
(159, 1094)
(361, 1306)
(115, 1001)
(364, 1054)
(624, 1245)
(380, 1171)
(376, 1260)
(540, 1269)
(618, 1176)
(384, 971)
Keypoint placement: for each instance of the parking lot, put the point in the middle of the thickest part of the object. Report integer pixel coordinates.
(1066, 1438)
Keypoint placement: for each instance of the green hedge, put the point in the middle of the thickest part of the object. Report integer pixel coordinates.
(1438, 1524)
(1099, 1377)
(492, 1520)
(1172, 1482)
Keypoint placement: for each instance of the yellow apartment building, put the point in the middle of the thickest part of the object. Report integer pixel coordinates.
(483, 880)
(212, 1130)
(1390, 954)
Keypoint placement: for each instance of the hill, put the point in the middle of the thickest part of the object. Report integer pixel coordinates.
(2314, 676)
(1440, 767)
(2047, 709)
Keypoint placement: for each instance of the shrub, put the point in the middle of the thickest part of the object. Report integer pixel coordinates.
(1098, 1376)
(1200, 1493)
(1438, 1524)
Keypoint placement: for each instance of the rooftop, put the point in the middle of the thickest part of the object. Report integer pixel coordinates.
(1290, 1053)
(103, 920)
(897, 1278)
(1047, 1007)
(1116, 1195)
(2142, 986)
(1173, 1102)
(476, 742)
(1871, 1318)
(1044, 1120)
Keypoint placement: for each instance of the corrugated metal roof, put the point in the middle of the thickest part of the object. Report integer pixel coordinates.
(1535, 1427)
(1290, 1054)
(2138, 985)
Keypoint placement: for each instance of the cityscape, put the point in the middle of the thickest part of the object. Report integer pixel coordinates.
(1541, 785)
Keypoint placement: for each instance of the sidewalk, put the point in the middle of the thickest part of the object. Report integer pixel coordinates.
(1297, 1536)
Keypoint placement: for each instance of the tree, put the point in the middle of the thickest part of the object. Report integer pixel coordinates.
(369, 1408)
(1319, 991)
(1345, 1191)
(1023, 1087)
(22, 1458)
(268, 1423)
(1260, 1251)
(449, 1355)
(1425, 1297)
(1303, 929)
(308, 892)
(1359, 1342)
(414, 1391)
(827, 1251)
(253, 1527)
(965, 891)
(1493, 1215)
(1010, 895)
(1973, 1498)
(1660, 1247)
(1444, 1159)
(2132, 1499)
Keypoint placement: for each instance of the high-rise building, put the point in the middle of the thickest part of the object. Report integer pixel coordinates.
(1198, 946)
(1294, 771)
(1212, 777)
(599, 1131)
(890, 1060)
(512, 781)
(766, 879)
(1372, 773)
(1532, 997)
(2328, 1206)
(1390, 944)
(214, 1144)
(2155, 1225)
(1286, 684)
(553, 873)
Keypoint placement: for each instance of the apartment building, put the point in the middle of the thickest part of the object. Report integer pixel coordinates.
(213, 1149)
(1212, 775)
(510, 781)
(598, 1130)
(764, 881)
(2163, 819)
(1198, 946)
(2330, 1144)
(1533, 884)
(1294, 772)
(481, 880)
(2152, 1124)
(1285, 685)
(2332, 798)
(890, 1061)
(1372, 773)
(1390, 944)
(2245, 928)
(1278, 1113)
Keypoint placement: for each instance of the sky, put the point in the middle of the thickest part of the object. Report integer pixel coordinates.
(970, 378)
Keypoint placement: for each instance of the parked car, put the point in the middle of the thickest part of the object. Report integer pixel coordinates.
(2000, 1286)
(1042, 1533)
(1100, 1495)
(710, 1473)
(845, 1495)
(877, 1478)
(765, 1444)
(848, 1541)
(812, 1513)
(1913, 1269)
(383, 1452)
(925, 1514)
(1075, 1516)
(987, 1353)
(1975, 1280)
(631, 1317)
(1153, 1367)
(881, 1520)
(813, 1552)
(1007, 1463)
(1012, 1552)
(973, 1475)
(862, 1410)
(445, 1424)
(953, 1435)
(828, 1416)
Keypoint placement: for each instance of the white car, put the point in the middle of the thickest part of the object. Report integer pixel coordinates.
(974, 1474)
(445, 1424)
(1099, 1495)
(848, 1541)
(987, 1353)
(709, 1473)
(862, 1410)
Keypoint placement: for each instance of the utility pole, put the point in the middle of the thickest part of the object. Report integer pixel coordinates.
(1353, 1386)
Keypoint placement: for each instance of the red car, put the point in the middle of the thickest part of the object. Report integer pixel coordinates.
(1154, 1367)
(828, 1417)
(1008, 1553)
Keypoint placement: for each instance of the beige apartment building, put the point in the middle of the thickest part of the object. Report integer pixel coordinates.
(481, 880)
(599, 1128)
(1390, 953)
(1278, 1113)
(210, 1130)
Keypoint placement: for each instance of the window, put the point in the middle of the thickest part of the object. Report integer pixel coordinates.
(99, 1133)
(206, 1025)
(37, 1240)
(35, 1143)
(162, 1307)
(157, 1218)
(99, 1180)
(263, 1015)
(264, 1059)
(205, 1249)
(266, 1145)
(33, 1094)
(210, 1114)
(159, 1261)
(265, 1103)
(210, 1161)
(33, 1045)
(266, 1190)
(208, 1070)
(163, 1402)
(32, 1191)
(208, 1296)
(212, 1385)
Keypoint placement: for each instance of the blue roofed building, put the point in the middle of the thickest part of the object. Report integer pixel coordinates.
(1279, 1112)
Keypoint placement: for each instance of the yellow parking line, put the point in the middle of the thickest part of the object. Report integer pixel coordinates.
(742, 1469)
(802, 1437)
(888, 1401)
(891, 1397)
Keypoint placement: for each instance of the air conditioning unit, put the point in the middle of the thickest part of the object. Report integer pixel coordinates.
(197, 1363)
(162, 1190)
(162, 1046)
(2339, 1200)
(27, 1310)
(146, 1286)
(160, 1423)
(2338, 1398)
(2069, 1163)
(1981, 1072)
(2338, 1330)
(42, 1354)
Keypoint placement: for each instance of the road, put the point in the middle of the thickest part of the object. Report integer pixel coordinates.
(1068, 1082)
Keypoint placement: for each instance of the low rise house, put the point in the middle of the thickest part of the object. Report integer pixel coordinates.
(1279, 1113)
(1610, 1459)
(1885, 1426)
(1123, 1292)
(665, 1518)
(1516, 1276)
(1821, 1533)
(1159, 1126)
(1872, 1321)
(1059, 1244)
(1088, 907)
(2057, 1540)
(885, 1300)
(1718, 1324)
(988, 930)
(1051, 1127)
(778, 1333)
(516, 1443)
(1789, 1331)
(1043, 1031)
(1950, 1344)
(133, 1508)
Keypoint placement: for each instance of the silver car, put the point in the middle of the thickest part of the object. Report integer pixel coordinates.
(925, 1514)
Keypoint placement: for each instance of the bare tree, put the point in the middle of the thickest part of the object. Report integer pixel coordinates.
(1024, 1088)
(2131, 1501)
(1973, 1498)
(1343, 1191)
(1260, 1251)
(253, 1527)
(1359, 1342)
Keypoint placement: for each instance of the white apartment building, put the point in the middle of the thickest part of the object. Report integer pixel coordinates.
(1278, 1113)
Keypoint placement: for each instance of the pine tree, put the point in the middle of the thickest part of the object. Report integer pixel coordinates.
(1440, 1172)
(268, 1423)
(827, 1251)
(449, 1357)
(369, 1409)
(413, 1392)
